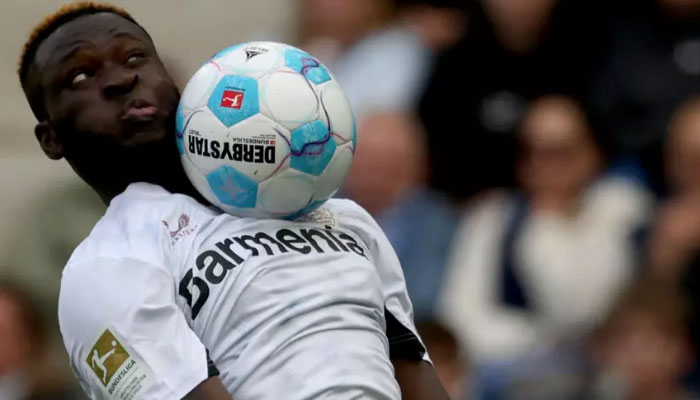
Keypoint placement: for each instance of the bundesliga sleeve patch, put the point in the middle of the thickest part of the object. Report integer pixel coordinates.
(121, 373)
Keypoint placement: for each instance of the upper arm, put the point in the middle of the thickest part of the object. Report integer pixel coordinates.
(418, 380)
(211, 389)
(125, 333)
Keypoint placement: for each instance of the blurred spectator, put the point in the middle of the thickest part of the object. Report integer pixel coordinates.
(20, 342)
(535, 266)
(653, 64)
(22, 345)
(451, 365)
(674, 246)
(676, 237)
(513, 52)
(388, 179)
(380, 53)
(642, 349)
(331, 26)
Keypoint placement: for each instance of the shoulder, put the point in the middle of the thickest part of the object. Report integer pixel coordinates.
(620, 199)
(492, 207)
(350, 215)
(104, 288)
(139, 224)
(141, 200)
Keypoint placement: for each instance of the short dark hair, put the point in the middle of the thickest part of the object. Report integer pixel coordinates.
(46, 27)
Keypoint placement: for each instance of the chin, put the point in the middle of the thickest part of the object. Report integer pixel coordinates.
(147, 132)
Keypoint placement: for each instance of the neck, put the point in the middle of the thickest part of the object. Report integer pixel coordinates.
(149, 166)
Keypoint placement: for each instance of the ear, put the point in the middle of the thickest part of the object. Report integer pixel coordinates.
(49, 140)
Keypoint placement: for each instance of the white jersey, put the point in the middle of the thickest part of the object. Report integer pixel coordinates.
(166, 292)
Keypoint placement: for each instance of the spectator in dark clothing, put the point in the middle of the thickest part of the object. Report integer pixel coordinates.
(512, 52)
(653, 64)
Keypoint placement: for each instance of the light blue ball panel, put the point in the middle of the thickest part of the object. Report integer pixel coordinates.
(306, 65)
(179, 129)
(234, 99)
(354, 135)
(313, 132)
(311, 148)
(233, 188)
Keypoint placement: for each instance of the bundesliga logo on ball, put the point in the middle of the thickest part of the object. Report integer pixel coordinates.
(264, 130)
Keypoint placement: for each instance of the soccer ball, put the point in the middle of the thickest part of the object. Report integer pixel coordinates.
(265, 131)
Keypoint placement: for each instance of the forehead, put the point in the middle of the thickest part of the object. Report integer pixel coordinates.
(95, 29)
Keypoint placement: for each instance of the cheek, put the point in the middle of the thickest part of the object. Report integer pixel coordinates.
(85, 113)
(156, 80)
(96, 117)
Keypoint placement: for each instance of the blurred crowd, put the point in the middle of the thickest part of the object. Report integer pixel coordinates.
(536, 166)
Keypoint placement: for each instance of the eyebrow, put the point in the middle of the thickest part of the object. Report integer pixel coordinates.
(64, 52)
(127, 35)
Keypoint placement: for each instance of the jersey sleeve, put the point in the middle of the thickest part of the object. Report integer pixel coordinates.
(125, 336)
(404, 341)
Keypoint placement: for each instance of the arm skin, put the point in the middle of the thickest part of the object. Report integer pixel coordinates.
(211, 389)
(418, 380)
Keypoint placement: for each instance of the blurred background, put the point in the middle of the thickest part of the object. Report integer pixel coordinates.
(535, 164)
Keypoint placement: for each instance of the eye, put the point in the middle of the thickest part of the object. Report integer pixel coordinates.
(79, 77)
(134, 58)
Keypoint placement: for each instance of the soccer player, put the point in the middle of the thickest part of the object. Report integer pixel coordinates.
(163, 285)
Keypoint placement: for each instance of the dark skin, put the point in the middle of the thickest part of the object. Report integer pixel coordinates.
(109, 110)
(109, 105)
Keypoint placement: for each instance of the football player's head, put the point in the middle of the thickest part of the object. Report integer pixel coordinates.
(102, 98)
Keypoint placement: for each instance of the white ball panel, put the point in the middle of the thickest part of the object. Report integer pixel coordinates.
(286, 193)
(337, 110)
(199, 180)
(252, 59)
(334, 175)
(200, 86)
(288, 98)
(263, 146)
(201, 131)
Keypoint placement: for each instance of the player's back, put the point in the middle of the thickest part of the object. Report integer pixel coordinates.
(302, 309)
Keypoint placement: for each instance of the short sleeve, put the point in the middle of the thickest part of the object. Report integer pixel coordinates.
(125, 336)
(404, 341)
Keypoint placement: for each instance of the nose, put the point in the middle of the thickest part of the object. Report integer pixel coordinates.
(118, 82)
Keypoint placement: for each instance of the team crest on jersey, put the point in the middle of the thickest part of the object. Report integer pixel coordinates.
(183, 229)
